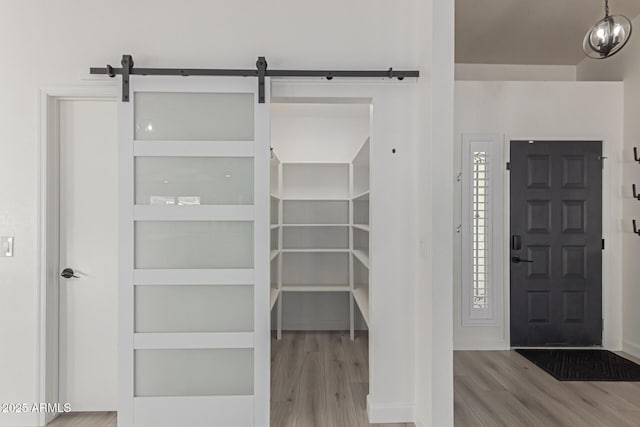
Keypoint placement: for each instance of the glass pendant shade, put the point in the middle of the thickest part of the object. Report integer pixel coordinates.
(607, 36)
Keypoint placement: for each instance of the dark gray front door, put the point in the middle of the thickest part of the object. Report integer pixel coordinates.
(556, 243)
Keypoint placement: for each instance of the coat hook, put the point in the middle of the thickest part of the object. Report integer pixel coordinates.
(635, 228)
(635, 154)
(635, 193)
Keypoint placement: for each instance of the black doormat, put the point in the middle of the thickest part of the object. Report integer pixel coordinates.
(583, 365)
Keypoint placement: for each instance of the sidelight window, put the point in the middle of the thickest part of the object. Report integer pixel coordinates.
(479, 194)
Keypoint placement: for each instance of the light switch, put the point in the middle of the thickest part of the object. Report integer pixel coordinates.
(6, 246)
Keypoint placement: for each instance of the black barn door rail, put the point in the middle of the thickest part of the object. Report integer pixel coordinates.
(261, 71)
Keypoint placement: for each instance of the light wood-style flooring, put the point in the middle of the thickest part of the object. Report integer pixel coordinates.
(85, 419)
(502, 388)
(320, 379)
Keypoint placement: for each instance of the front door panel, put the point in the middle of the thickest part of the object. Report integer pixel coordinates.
(556, 243)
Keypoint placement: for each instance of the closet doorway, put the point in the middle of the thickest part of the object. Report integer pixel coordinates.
(320, 234)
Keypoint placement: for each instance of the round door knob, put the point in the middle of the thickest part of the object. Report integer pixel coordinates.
(68, 273)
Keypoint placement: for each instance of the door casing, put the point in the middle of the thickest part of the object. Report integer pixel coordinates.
(393, 141)
(47, 377)
(611, 272)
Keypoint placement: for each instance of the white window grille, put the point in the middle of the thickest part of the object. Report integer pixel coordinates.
(479, 229)
(479, 189)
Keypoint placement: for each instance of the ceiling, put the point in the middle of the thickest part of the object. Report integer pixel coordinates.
(545, 32)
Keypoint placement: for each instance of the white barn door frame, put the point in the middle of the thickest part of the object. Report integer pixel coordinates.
(145, 400)
(393, 251)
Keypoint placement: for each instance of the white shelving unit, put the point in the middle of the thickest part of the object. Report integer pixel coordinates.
(276, 231)
(360, 230)
(314, 229)
(320, 230)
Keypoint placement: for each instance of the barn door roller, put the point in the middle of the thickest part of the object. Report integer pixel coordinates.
(261, 72)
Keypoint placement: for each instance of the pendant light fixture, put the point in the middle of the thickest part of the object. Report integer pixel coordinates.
(607, 36)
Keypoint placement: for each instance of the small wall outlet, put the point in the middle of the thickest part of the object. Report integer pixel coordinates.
(6, 246)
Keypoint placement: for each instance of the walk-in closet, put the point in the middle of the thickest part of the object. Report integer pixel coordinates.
(320, 259)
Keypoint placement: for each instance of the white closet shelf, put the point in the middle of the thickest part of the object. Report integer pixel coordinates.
(275, 293)
(315, 288)
(361, 196)
(315, 199)
(315, 162)
(363, 227)
(361, 296)
(314, 250)
(362, 257)
(274, 253)
(315, 225)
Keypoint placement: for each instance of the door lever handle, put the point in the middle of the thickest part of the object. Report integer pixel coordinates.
(68, 273)
(518, 260)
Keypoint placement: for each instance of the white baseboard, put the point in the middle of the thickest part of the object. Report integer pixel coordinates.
(390, 413)
(19, 419)
(482, 346)
(338, 325)
(631, 348)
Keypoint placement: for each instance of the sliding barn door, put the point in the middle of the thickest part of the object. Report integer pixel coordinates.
(194, 253)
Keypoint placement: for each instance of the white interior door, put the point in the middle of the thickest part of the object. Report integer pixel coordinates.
(88, 245)
(194, 254)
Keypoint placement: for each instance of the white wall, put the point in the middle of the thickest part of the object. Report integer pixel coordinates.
(327, 133)
(54, 43)
(515, 72)
(318, 132)
(543, 110)
(625, 66)
(433, 302)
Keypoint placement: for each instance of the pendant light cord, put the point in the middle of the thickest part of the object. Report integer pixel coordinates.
(606, 8)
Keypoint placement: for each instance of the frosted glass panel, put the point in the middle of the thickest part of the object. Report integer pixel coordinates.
(194, 180)
(194, 372)
(186, 308)
(193, 244)
(193, 116)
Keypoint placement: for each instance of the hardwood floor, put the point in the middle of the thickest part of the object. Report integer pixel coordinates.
(320, 379)
(85, 419)
(502, 388)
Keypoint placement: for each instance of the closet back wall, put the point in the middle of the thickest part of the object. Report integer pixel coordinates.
(328, 133)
